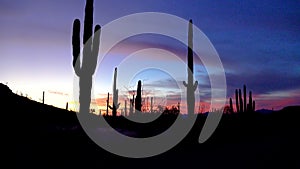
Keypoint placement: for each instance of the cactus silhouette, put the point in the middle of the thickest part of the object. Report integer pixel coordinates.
(138, 98)
(125, 108)
(242, 105)
(241, 101)
(190, 85)
(131, 102)
(43, 97)
(151, 105)
(237, 101)
(107, 104)
(231, 106)
(86, 69)
(116, 105)
(67, 106)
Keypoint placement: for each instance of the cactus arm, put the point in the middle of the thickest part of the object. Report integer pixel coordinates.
(185, 84)
(195, 85)
(76, 46)
(95, 49)
(88, 20)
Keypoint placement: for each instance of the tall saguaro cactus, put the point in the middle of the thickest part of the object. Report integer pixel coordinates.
(90, 51)
(190, 85)
(116, 105)
(138, 98)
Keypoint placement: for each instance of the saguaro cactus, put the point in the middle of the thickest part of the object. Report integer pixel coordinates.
(138, 98)
(90, 51)
(43, 97)
(107, 103)
(151, 105)
(237, 101)
(241, 101)
(125, 108)
(116, 105)
(242, 105)
(231, 106)
(190, 85)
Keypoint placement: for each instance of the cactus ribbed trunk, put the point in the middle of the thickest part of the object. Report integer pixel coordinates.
(90, 51)
(138, 99)
(190, 85)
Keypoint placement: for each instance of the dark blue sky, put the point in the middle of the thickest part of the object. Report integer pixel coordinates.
(258, 42)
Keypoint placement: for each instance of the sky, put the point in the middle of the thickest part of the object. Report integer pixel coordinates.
(258, 42)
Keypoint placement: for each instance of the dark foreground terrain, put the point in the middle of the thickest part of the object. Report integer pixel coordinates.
(42, 136)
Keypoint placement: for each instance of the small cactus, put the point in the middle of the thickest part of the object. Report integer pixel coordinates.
(43, 97)
(138, 99)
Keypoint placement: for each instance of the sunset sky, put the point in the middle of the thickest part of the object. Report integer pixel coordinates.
(258, 42)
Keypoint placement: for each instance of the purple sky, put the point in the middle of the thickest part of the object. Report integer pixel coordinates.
(258, 43)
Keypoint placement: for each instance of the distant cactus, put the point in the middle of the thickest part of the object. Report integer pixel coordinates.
(237, 101)
(151, 105)
(178, 107)
(116, 105)
(138, 99)
(90, 51)
(241, 101)
(67, 106)
(43, 97)
(242, 105)
(107, 104)
(190, 85)
(131, 106)
(125, 108)
(230, 105)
